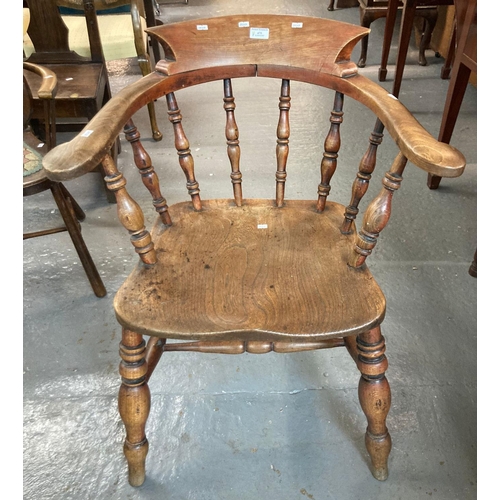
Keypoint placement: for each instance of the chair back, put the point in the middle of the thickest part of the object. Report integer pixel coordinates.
(294, 50)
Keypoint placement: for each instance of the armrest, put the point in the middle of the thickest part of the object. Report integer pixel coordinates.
(84, 152)
(414, 141)
(48, 87)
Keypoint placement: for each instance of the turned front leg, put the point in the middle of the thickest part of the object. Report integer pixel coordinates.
(375, 398)
(134, 403)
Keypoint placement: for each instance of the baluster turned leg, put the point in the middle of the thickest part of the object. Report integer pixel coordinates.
(375, 398)
(134, 403)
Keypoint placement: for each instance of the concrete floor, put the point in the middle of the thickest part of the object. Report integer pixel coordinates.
(277, 426)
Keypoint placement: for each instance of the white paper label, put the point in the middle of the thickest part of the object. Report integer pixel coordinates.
(261, 226)
(87, 133)
(243, 24)
(297, 25)
(259, 33)
(393, 96)
(201, 27)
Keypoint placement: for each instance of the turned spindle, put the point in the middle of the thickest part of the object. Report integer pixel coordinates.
(149, 178)
(378, 213)
(283, 134)
(360, 185)
(129, 212)
(232, 141)
(331, 149)
(253, 346)
(182, 145)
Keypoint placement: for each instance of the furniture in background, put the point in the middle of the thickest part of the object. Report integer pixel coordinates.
(120, 32)
(464, 64)
(342, 4)
(408, 16)
(83, 82)
(35, 181)
(371, 10)
(153, 11)
(251, 275)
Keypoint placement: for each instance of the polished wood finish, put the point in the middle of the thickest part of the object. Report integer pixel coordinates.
(252, 275)
(37, 182)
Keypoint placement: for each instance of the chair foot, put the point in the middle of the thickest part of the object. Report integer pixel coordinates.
(134, 401)
(375, 398)
(157, 135)
(433, 181)
(473, 266)
(379, 448)
(382, 74)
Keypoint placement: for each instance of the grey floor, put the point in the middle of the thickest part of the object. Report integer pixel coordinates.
(276, 426)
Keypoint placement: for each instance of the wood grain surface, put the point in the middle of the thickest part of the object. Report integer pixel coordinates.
(252, 272)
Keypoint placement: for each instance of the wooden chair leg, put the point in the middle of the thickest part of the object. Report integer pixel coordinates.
(365, 22)
(145, 65)
(390, 21)
(375, 398)
(69, 218)
(459, 81)
(79, 213)
(429, 25)
(134, 400)
(406, 30)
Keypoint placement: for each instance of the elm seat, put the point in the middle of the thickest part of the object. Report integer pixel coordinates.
(247, 274)
(258, 266)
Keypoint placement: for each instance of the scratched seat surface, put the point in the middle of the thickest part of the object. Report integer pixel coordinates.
(240, 272)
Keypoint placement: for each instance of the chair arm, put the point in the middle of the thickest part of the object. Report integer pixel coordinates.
(85, 151)
(416, 144)
(48, 87)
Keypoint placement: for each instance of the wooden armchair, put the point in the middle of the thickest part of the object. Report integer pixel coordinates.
(120, 32)
(254, 275)
(35, 180)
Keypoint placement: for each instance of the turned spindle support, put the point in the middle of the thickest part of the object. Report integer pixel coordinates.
(129, 212)
(154, 351)
(134, 402)
(232, 141)
(182, 145)
(377, 214)
(360, 185)
(252, 346)
(283, 135)
(149, 178)
(331, 149)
